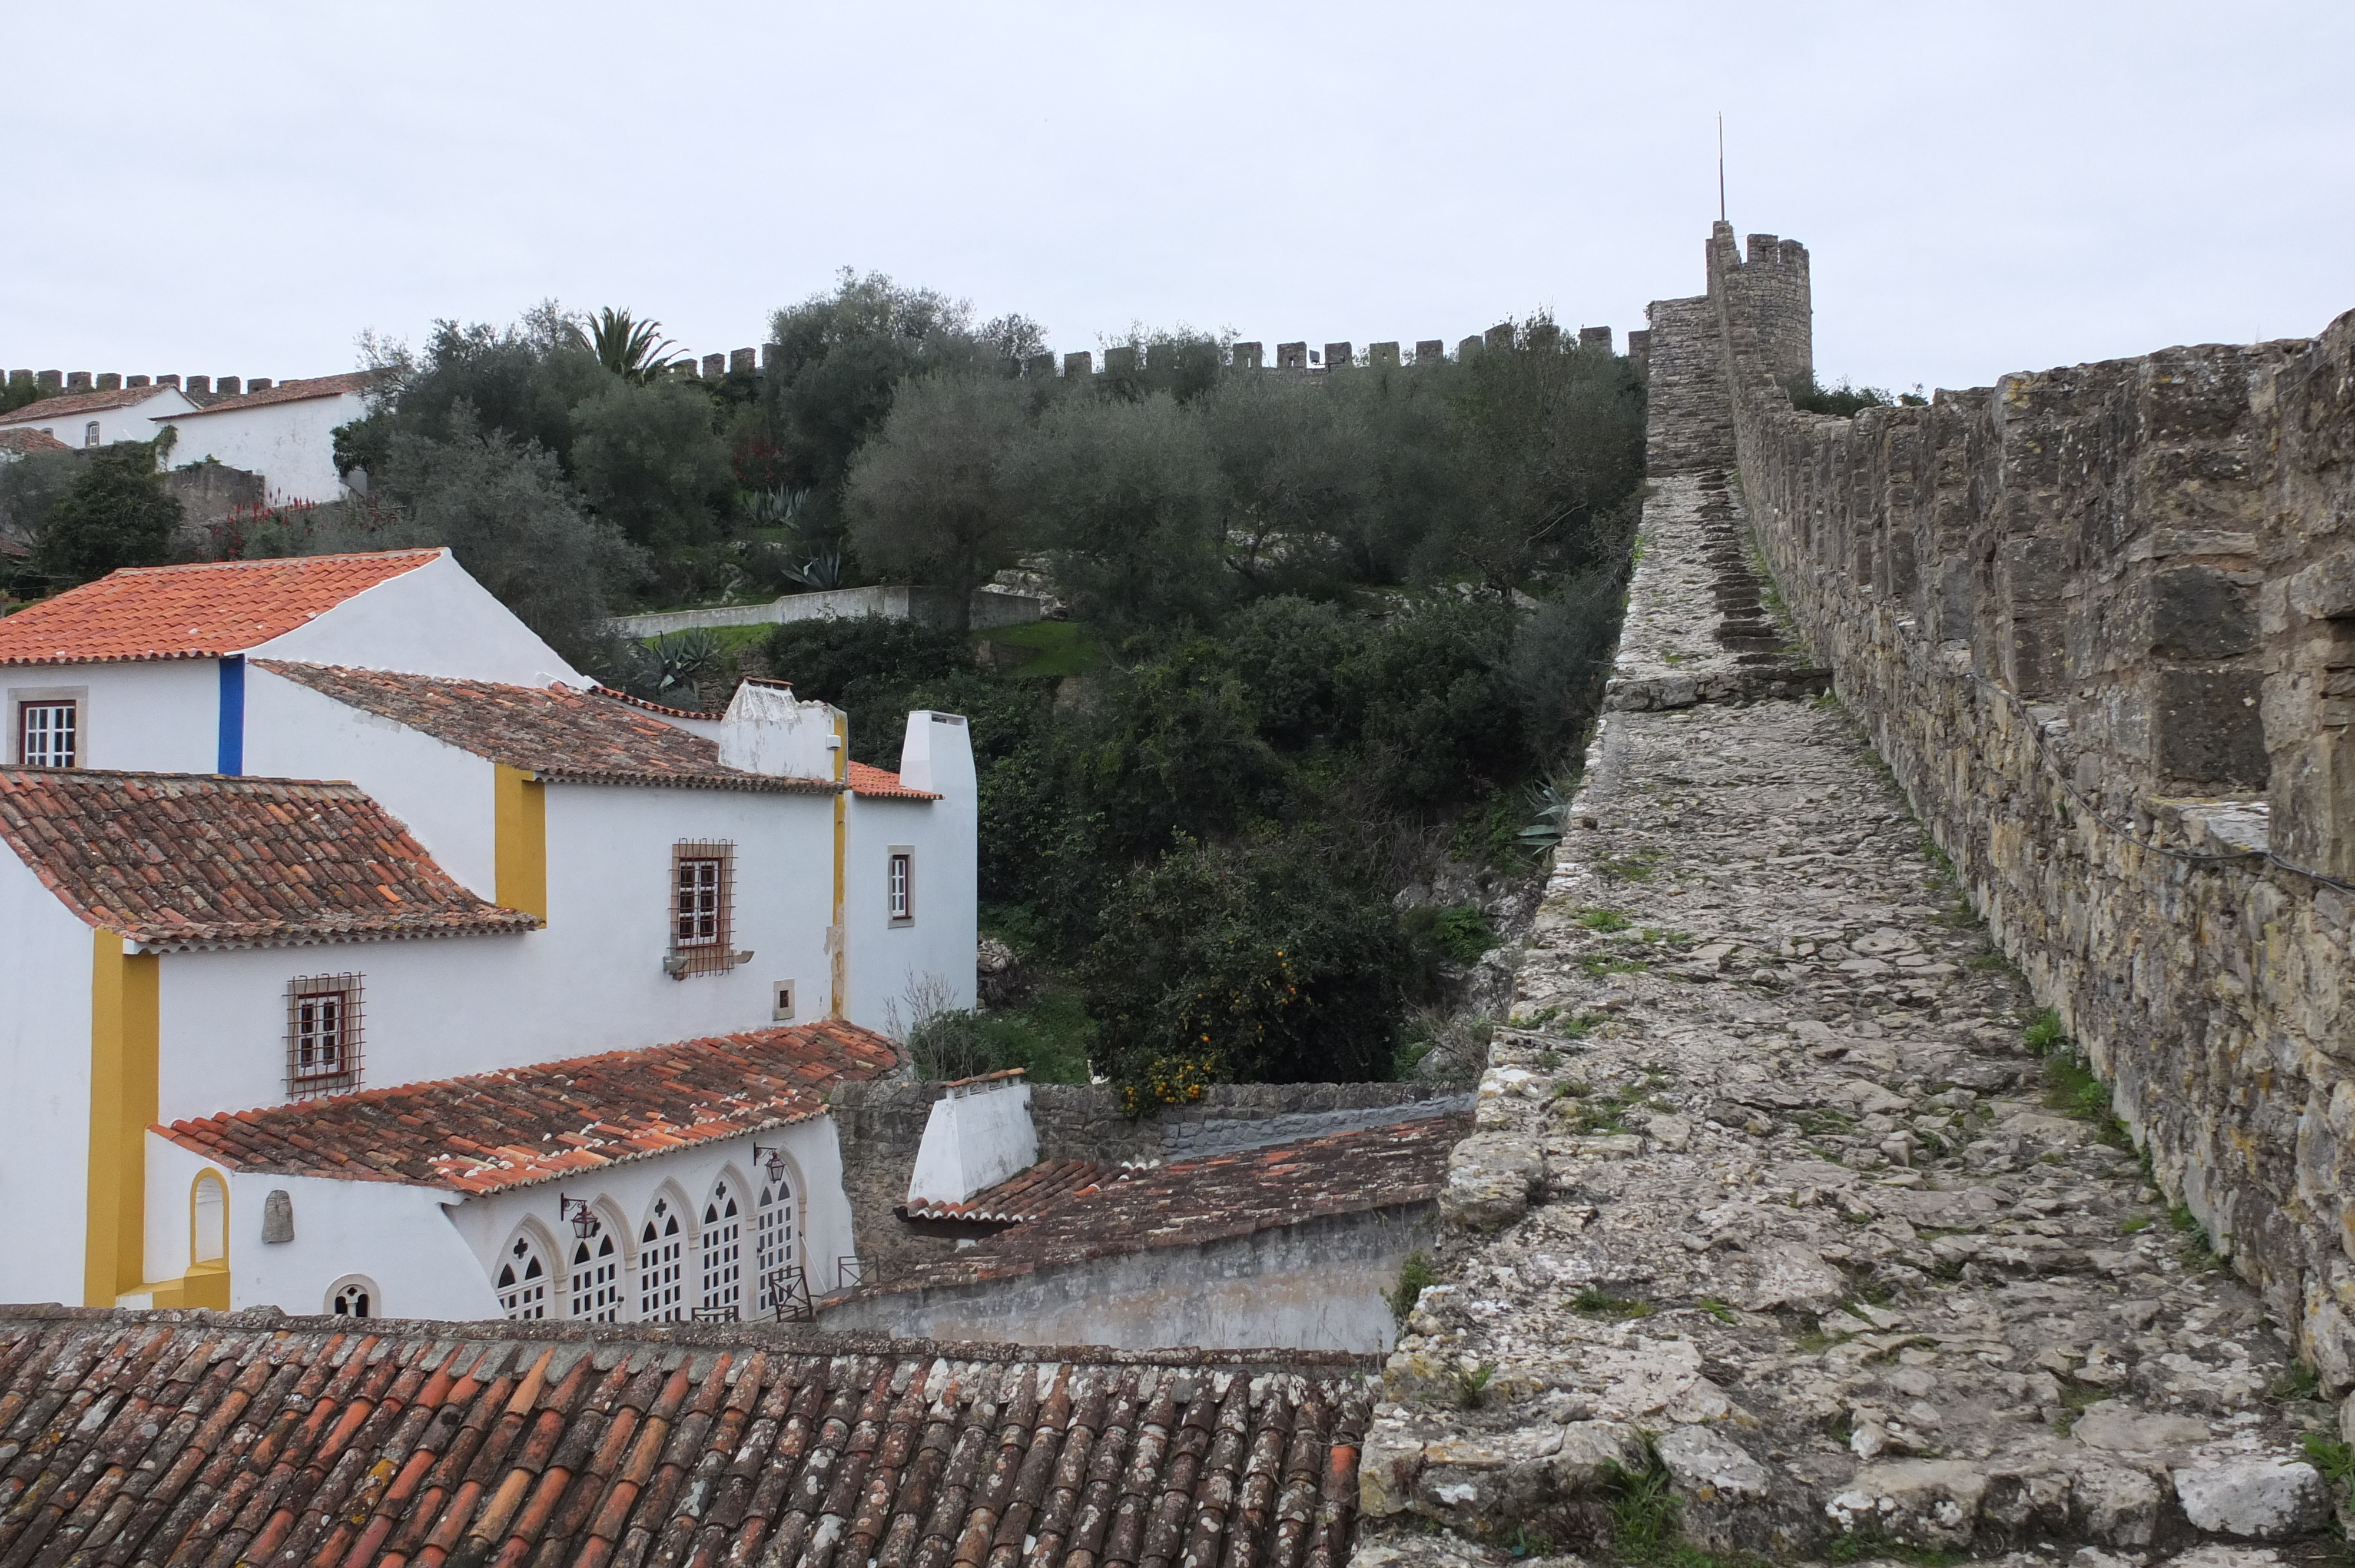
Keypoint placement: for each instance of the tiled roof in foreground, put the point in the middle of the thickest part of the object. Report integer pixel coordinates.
(197, 860)
(188, 1438)
(1193, 1202)
(195, 612)
(491, 1132)
(581, 738)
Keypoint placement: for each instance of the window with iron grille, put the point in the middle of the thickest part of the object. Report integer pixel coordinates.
(322, 1034)
(48, 734)
(702, 908)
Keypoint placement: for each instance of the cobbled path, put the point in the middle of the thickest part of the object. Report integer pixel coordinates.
(1781, 1199)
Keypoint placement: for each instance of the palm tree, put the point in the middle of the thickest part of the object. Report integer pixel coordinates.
(628, 347)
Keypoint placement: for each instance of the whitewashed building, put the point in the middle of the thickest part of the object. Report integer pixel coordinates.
(284, 432)
(374, 960)
(103, 418)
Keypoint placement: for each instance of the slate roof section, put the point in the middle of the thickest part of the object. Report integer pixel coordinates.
(1024, 1196)
(574, 738)
(882, 784)
(194, 611)
(282, 392)
(492, 1131)
(1191, 1202)
(188, 1438)
(194, 860)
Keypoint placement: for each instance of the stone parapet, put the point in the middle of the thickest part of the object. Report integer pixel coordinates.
(2100, 622)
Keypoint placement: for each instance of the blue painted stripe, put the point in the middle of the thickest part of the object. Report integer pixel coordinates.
(233, 716)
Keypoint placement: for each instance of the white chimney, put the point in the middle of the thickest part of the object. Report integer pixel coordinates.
(769, 730)
(936, 754)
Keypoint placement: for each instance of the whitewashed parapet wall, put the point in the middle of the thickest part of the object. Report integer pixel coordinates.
(2100, 620)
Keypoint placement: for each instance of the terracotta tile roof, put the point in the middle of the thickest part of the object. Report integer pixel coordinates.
(190, 859)
(1021, 1197)
(881, 784)
(188, 1438)
(580, 737)
(511, 1129)
(1191, 1202)
(31, 442)
(195, 611)
(285, 392)
(68, 405)
(655, 707)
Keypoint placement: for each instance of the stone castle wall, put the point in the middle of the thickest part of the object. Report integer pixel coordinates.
(2100, 622)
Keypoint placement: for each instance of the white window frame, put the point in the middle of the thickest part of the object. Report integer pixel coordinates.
(23, 697)
(899, 885)
(308, 999)
(89, 434)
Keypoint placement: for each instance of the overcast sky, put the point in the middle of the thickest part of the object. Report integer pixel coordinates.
(243, 188)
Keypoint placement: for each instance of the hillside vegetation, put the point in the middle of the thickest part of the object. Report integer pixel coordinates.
(1325, 631)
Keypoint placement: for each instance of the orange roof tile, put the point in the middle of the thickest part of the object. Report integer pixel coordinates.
(524, 1125)
(31, 442)
(285, 392)
(882, 784)
(580, 737)
(1194, 1202)
(183, 1439)
(72, 403)
(195, 611)
(181, 859)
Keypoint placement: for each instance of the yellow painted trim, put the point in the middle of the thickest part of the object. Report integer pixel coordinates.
(840, 966)
(519, 822)
(126, 1023)
(205, 1285)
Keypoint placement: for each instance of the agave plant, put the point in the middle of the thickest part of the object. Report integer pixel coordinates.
(668, 666)
(629, 348)
(823, 570)
(1550, 808)
(775, 508)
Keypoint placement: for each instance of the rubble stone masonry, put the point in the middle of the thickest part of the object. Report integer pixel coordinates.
(2100, 622)
(1792, 1224)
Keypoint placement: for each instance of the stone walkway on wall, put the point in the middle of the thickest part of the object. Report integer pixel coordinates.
(1772, 1201)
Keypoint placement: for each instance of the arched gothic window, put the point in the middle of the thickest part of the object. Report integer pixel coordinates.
(352, 1296)
(597, 1278)
(775, 1245)
(723, 1246)
(523, 1281)
(662, 1265)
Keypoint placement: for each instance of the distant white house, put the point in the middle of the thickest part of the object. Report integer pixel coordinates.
(286, 433)
(102, 418)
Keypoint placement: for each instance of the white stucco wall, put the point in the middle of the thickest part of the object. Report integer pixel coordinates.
(44, 1068)
(435, 620)
(971, 1141)
(292, 445)
(592, 980)
(887, 963)
(124, 422)
(441, 793)
(164, 715)
(623, 1194)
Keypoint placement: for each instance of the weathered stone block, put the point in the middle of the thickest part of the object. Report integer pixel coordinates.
(2198, 612)
(2206, 727)
(2261, 1499)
